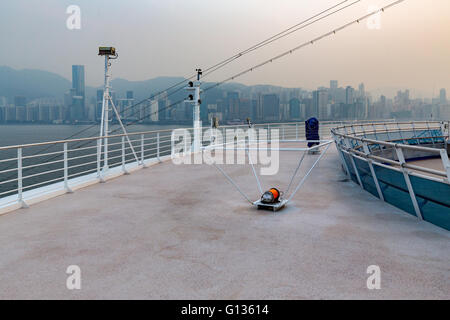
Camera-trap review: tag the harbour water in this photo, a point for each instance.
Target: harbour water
(24, 134)
(28, 134)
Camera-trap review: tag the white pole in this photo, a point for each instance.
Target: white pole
(196, 144)
(105, 113)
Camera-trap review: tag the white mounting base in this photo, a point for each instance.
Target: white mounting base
(270, 206)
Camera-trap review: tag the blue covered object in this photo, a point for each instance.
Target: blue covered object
(312, 131)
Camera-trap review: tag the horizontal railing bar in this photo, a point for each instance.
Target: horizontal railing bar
(397, 163)
(142, 132)
(42, 173)
(81, 149)
(8, 160)
(360, 133)
(42, 155)
(8, 170)
(82, 164)
(396, 145)
(43, 182)
(83, 156)
(81, 173)
(10, 191)
(42, 164)
(8, 181)
(407, 139)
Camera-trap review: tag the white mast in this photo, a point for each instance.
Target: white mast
(110, 54)
(195, 99)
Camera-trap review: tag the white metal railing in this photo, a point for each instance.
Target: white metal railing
(37, 168)
(422, 139)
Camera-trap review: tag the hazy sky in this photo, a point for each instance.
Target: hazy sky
(173, 37)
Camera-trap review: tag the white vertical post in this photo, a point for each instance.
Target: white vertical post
(157, 146)
(341, 155)
(387, 132)
(66, 170)
(99, 159)
(350, 147)
(401, 158)
(20, 179)
(372, 170)
(142, 151)
(446, 163)
(124, 170)
(185, 142)
(296, 131)
(344, 163)
(356, 171)
(196, 144)
(429, 131)
(106, 114)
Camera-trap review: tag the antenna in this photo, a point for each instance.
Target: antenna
(196, 101)
(110, 54)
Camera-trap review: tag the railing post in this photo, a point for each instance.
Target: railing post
(296, 131)
(20, 179)
(401, 158)
(66, 170)
(400, 133)
(429, 132)
(352, 160)
(105, 155)
(341, 155)
(375, 131)
(446, 163)
(124, 170)
(387, 132)
(99, 160)
(142, 151)
(372, 170)
(157, 146)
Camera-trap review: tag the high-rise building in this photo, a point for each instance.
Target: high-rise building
(294, 108)
(233, 105)
(349, 95)
(361, 91)
(271, 107)
(79, 90)
(3, 101)
(443, 96)
(319, 104)
(245, 108)
(20, 101)
(77, 108)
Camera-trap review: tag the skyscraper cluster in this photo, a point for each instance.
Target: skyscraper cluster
(260, 103)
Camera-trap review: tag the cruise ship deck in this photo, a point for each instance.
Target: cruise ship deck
(183, 232)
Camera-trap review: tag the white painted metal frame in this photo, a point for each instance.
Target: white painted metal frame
(70, 171)
(345, 143)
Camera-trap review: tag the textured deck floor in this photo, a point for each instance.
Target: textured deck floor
(183, 232)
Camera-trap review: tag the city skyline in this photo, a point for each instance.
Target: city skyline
(261, 104)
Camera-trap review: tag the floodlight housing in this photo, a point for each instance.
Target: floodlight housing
(106, 51)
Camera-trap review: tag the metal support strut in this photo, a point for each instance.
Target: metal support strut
(110, 54)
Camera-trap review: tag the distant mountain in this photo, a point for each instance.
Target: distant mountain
(145, 88)
(37, 83)
(32, 83)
